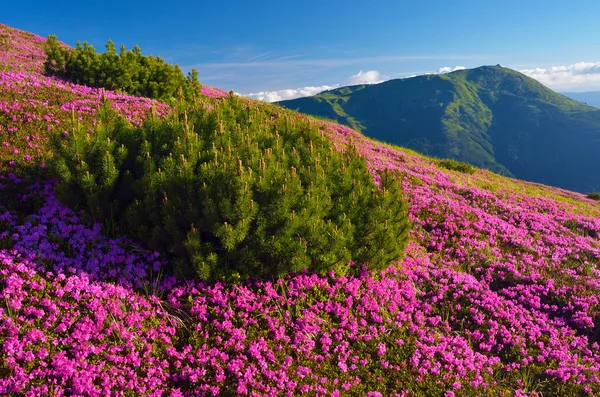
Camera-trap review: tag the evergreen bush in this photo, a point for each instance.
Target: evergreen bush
(243, 190)
(456, 165)
(128, 71)
(594, 196)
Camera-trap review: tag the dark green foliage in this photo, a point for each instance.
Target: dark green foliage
(241, 190)
(456, 165)
(56, 57)
(594, 196)
(127, 71)
(491, 117)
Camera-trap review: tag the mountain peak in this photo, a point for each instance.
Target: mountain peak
(490, 116)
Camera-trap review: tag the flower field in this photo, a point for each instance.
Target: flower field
(498, 293)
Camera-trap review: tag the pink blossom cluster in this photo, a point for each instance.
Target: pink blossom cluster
(213, 92)
(21, 50)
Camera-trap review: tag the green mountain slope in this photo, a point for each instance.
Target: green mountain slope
(490, 116)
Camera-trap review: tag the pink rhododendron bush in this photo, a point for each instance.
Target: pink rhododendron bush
(497, 295)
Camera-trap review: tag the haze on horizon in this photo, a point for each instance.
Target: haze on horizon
(277, 50)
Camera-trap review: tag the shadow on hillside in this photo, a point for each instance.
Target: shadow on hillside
(37, 227)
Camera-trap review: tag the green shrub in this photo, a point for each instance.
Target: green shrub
(456, 165)
(594, 196)
(236, 191)
(128, 71)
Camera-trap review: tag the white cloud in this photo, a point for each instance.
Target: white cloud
(578, 76)
(290, 93)
(442, 70)
(369, 77)
(447, 69)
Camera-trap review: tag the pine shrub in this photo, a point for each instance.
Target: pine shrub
(594, 196)
(243, 190)
(55, 57)
(455, 165)
(128, 71)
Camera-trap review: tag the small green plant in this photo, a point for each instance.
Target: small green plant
(456, 165)
(3, 39)
(594, 196)
(239, 191)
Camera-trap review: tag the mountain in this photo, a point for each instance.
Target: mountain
(491, 117)
(591, 98)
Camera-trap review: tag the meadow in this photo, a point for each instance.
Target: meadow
(497, 293)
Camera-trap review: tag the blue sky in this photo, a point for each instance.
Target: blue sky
(271, 46)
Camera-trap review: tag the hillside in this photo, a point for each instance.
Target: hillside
(497, 294)
(491, 116)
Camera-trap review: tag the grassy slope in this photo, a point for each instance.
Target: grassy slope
(498, 294)
(490, 116)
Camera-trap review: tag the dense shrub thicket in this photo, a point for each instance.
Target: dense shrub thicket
(594, 196)
(239, 190)
(128, 71)
(456, 165)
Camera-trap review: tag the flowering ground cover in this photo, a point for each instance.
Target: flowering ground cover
(498, 294)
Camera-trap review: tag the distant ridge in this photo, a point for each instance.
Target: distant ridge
(591, 98)
(490, 116)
